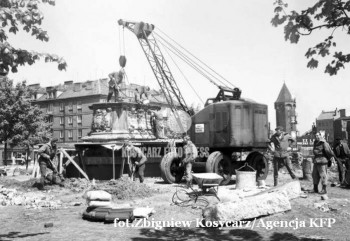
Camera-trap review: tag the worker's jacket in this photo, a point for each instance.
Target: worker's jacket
(341, 150)
(46, 152)
(116, 79)
(322, 151)
(191, 152)
(136, 155)
(281, 144)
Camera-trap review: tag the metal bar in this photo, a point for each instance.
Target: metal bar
(113, 160)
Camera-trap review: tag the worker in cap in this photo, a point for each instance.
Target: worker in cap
(280, 146)
(190, 154)
(116, 79)
(47, 153)
(136, 161)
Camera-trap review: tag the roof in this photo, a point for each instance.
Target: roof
(327, 115)
(284, 95)
(97, 87)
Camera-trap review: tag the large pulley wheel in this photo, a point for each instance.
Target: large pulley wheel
(220, 164)
(171, 170)
(260, 163)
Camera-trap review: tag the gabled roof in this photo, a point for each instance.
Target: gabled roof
(284, 95)
(327, 115)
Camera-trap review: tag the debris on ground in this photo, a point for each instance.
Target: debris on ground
(77, 184)
(12, 197)
(124, 188)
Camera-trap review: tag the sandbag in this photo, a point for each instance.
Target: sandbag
(99, 204)
(143, 212)
(98, 195)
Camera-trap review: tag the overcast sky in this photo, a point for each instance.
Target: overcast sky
(235, 38)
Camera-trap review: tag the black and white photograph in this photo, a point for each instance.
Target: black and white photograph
(180, 120)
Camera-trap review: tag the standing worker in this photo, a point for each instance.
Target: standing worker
(342, 154)
(323, 156)
(115, 81)
(191, 153)
(47, 153)
(157, 124)
(280, 146)
(137, 161)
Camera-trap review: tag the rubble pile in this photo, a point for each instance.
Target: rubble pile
(124, 188)
(12, 197)
(77, 184)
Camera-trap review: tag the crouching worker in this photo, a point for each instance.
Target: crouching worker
(47, 153)
(136, 160)
(323, 157)
(191, 154)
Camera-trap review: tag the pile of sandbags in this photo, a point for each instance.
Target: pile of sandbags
(98, 198)
(100, 208)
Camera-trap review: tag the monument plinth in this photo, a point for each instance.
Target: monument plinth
(121, 120)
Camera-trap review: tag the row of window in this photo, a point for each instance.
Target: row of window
(62, 105)
(70, 120)
(70, 134)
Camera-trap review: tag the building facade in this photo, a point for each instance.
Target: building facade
(325, 124)
(68, 105)
(286, 116)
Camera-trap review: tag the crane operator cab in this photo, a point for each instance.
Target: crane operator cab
(225, 94)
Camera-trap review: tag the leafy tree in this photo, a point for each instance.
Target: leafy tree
(324, 14)
(21, 123)
(25, 14)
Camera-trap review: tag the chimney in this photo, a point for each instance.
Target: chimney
(342, 112)
(68, 83)
(77, 87)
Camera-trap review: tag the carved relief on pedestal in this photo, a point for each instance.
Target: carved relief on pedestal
(102, 121)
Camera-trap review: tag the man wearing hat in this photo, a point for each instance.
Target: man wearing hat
(191, 153)
(115, 81)
(47, 153)
(136, 160)
(342, 154)
(280, 145)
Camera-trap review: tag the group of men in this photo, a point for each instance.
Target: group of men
(116, 79)
(324, 156)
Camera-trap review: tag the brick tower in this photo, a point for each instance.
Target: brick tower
(285, 111)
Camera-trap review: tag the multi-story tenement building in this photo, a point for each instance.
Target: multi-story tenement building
(68, 105)
(324, 123)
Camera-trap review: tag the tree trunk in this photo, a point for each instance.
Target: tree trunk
(5, 154)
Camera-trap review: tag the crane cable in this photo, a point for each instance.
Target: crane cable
(193, 64)
(197, 58)
(185, 59)
(122, 42)
(184, 75)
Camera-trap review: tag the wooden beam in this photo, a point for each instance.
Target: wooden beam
(74, 163)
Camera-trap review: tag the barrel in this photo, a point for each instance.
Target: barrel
(307, 169)
(245, 177)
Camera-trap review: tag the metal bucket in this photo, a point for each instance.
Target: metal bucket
(245, 179)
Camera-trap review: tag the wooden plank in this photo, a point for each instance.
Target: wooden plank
(81, 160)
(75, 164)
(61, 162)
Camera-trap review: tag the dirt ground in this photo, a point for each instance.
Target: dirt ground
(19, 223)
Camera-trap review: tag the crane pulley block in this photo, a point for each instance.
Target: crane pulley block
(141, 28)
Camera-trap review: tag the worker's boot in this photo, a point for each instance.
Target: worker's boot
(315, 190)
(324, 189)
